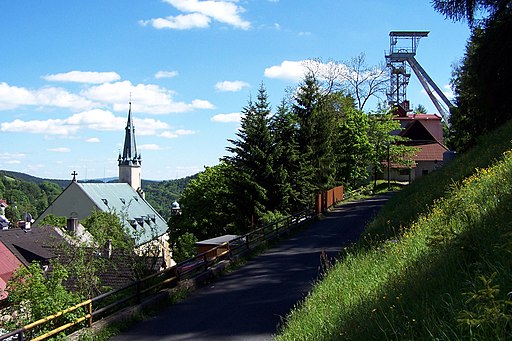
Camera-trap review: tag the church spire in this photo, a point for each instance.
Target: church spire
(129, 156)
(129, 161)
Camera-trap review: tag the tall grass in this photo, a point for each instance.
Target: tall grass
(441, 270)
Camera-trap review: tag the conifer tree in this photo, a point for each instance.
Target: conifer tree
(251, 161)
(315, 135)
(285, 195)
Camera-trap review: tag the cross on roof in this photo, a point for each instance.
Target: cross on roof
(74, 175)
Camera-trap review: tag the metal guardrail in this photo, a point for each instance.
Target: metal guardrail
(111, 302)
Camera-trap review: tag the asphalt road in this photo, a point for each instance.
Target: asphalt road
(251, 302)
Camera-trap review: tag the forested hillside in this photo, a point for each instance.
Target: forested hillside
(27, 193)
(161, 194)
(23, 196)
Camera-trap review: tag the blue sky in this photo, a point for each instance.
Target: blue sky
(67, 69)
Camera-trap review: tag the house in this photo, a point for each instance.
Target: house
(425, 132)
(126, 199)
(31, 245)
(21, 247)
(8, 265)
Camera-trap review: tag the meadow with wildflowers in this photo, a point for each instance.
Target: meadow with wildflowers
(434, 264)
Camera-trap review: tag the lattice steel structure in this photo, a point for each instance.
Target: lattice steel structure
(401, 56)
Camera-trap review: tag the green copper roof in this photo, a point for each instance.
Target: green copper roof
(140, 219)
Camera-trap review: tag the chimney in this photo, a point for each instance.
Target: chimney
(72, 224)
(108, 249)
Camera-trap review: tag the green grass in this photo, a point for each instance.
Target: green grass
(435, 263)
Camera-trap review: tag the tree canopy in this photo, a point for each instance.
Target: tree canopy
(482, 80)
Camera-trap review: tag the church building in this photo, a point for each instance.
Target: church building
(125, 198)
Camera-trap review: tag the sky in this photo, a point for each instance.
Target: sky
(68, 69)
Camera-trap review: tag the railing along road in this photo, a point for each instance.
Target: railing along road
(111, 302)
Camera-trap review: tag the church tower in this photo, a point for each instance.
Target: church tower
(129, 161)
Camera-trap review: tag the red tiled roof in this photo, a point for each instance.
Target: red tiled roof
(430, 151)
(8, 264)
(418, 117)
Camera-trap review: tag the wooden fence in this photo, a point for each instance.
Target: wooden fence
(327, 199)
(99, 307)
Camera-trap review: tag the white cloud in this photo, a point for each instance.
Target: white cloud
(13, 162)
(84, 77)
(200, 14)
(288, 70)
(96, 119)
(149, 126)
(149, 147)
(227, 118)
(12, 97)
(11, 158)
(185, 132)
(232, 86)
(59, 150)
(179, 22)
(146, 98)
(175, 134)
(166, 74)
(50, 127)
(202, 104)
(93, 140)
(295, 70)
(7, 156)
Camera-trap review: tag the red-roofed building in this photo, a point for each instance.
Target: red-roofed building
(425, 132)
(8, 264)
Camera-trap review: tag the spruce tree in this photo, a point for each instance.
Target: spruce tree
(251, 161)
(285, 195)
(315, 136)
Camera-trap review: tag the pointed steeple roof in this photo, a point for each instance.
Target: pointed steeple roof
(129, 156)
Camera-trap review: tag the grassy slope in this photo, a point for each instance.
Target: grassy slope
(433, 265)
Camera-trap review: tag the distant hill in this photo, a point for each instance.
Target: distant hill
(34, 179)
(160, 194)
(64, 183)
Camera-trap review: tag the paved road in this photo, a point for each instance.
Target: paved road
(249, 303)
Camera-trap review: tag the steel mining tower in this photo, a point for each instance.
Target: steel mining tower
(402, 50)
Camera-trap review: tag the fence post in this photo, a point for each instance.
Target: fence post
(138, 291)
(90, 314)
(205, 260)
